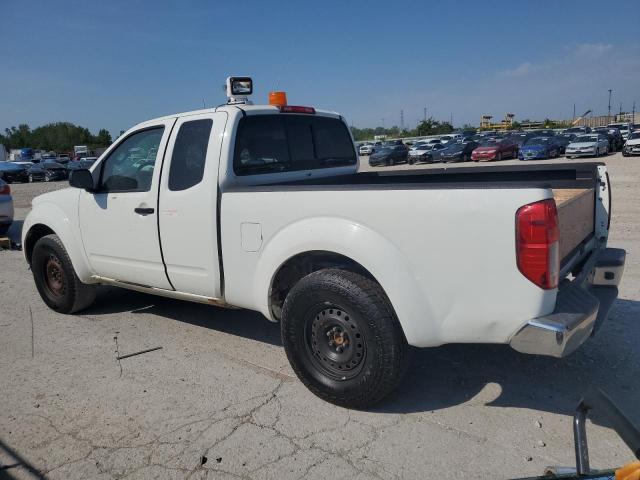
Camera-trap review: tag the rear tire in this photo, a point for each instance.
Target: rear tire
(55, 278)
(343, 339)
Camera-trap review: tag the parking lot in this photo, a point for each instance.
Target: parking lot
(219, 400)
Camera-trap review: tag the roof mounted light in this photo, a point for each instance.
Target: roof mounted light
(278, 99)
(296, 109)
(238, 89)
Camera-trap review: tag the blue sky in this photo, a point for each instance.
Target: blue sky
(114, 63)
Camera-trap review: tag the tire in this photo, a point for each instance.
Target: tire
(499, 156)
(345, 308)
(55, 278)
(47, 178)
(30, 178)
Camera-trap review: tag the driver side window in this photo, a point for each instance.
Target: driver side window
(129, 168)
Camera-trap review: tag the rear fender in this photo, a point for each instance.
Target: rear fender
(370, 249)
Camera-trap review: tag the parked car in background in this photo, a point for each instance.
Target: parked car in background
(632, 145)
(422, 143)
(452, 137)
(428, 153)
(79, 164)
(47, 171)
(520, 137)
(458, 151)
(625, 128)
(539, 148)
(578, 130)
(495, 149)
(389, 155)
(562, 141)
(13, 172)
(592, 145)
(365, 149)
(6, 207)
(610, 133)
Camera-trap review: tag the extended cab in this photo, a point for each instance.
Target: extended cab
(261, 207)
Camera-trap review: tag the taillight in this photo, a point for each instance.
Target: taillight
(538, 243)
(6, 190)
(296, 109)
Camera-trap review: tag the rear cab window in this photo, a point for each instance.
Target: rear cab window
(290, 142)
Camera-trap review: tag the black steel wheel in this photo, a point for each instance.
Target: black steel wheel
(55, 278)
(343, 339)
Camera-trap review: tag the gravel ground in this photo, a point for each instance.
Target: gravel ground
(220, 401)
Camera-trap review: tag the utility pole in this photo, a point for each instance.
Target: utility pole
(574, 111)
(451, 119)
(382, 122)
(633, 112)
(425, 114)
(609, 104)
(402, 120)
(620, 108)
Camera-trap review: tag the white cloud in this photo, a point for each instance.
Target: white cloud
(592, 49)
(520, 71)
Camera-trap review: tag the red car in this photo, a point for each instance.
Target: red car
(495, 149)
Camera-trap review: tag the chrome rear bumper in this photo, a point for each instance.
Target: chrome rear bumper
(581, 308)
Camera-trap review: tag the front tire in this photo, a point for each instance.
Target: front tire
(55, 278)
(343, 339)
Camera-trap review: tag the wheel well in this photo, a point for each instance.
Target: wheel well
(302, 265)
(35, 233)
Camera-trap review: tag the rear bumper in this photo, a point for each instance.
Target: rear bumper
(581, 308)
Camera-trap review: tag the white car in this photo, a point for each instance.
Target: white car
(632, 145)
(236, 211)
(366, 149)
(6, 207)
(427, 153)
(453, 137)
(590, 145)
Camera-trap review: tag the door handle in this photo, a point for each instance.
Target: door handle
(144, 210)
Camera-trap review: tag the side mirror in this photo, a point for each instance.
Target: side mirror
(81, 178)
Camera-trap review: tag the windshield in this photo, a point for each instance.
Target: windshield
(278, 143)
(538, 141)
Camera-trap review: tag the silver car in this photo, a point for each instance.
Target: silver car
(6, 207)
(591, 145)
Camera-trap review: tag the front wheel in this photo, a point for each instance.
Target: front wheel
(343, 339)
(30, 178)
(55, 278)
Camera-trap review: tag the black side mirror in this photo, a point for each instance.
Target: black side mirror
(82, 178)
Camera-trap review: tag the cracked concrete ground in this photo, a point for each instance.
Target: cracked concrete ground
(220, 401)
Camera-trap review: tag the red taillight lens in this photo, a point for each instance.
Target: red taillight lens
(296, 109)
(537, 243)
(6, 190)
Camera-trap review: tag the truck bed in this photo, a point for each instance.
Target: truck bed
(572, 183)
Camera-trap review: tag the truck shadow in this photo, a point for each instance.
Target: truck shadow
(455, 374)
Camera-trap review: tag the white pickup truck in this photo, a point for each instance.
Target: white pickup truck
(261, 207)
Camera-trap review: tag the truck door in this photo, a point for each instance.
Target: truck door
(189, 203)
(118, 222)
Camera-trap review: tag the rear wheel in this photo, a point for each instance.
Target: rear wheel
(499, 156)
(343, 339)
(55, 278)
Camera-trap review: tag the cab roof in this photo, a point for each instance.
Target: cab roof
(236, 108)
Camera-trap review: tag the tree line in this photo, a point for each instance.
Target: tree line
(430, 126)
(58, 137)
